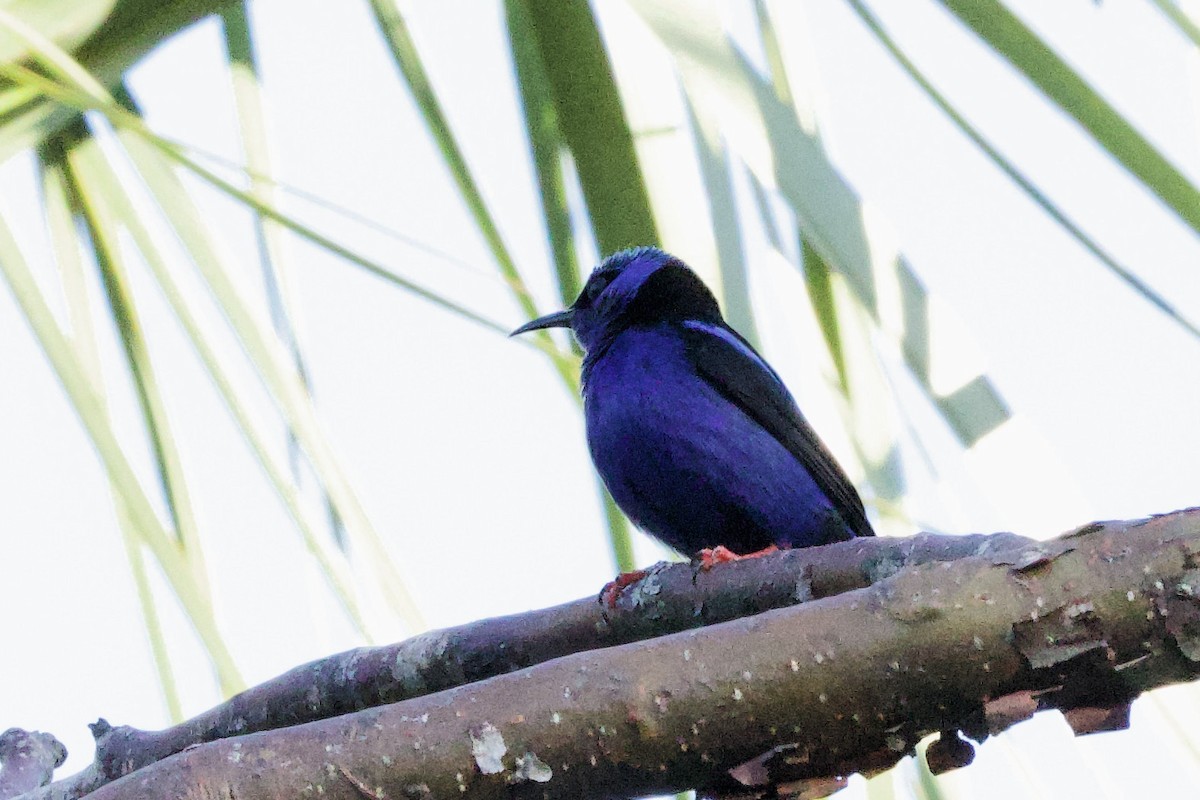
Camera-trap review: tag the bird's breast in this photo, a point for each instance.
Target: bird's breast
(642, 382)
(684, 462)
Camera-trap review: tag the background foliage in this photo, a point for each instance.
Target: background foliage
(260, 403)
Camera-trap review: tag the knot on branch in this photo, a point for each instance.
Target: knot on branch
(27, 760)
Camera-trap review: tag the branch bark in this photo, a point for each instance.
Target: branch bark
(673, 597)
(27, 760)
(813, 692)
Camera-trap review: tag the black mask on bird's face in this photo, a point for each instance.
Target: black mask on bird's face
(637, 286)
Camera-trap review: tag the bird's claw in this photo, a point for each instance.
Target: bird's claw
(612, 590)
(709, 557)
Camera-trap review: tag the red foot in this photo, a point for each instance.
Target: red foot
(711, 556)
(612, 590)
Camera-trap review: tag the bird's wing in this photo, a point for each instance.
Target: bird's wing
(731, 366)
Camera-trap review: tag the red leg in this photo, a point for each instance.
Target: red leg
(612, 590)
(711, 556)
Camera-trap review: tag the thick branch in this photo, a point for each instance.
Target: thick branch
(848, 683)
(674, 597)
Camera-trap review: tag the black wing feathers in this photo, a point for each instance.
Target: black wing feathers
(753, 387)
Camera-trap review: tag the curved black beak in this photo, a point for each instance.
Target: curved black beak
(559, 319)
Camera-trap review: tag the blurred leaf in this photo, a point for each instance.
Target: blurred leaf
(105, 36)
(1016, 176)
(768, 136)
(273, 261)
(1012, 39)
(1186, 24)
(88, 402)
(80, 91)
(83, 97)
(395, 32)
(150, 617)
(149, 154)
(714, 158)
(589, 114)
(243, 69)
(13, 99)
(408, 60)
(95, 172)
(274, 366)
(135, 27)
(820, 294)
(68, 23)
(546, 144)
(60, 205)
(102, 231)
(540, 90)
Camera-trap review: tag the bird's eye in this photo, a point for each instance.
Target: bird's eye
(596, 286)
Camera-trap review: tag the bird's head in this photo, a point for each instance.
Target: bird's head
(640, 286)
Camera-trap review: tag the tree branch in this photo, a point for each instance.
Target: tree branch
(843, 684)
(673, 597)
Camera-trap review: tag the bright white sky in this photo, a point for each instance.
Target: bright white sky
(467, 452)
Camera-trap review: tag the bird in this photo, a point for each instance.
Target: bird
(693, 433)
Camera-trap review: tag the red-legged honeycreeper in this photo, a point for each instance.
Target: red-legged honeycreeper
(693, 433)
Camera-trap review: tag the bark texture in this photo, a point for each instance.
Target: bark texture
(807, 693)
(672, 598)
(27, 760)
